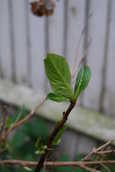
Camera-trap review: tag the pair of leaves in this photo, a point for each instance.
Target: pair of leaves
(58, 73)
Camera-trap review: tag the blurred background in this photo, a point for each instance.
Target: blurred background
(25, 39)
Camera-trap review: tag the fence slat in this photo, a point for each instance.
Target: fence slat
(37, 36)
(56, 29)
(109, 98)
(21, 58)
(97, 29)
(5, 49)
(76, 19)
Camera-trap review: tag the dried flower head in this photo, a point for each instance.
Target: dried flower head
(43, 7)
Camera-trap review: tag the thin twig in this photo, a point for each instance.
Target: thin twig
(27, 117)
(104, 145)
(82, 60)
(96, 150)
(73, 71)
(57, 164)
(88, 156)
(105, 152)
(75, 60)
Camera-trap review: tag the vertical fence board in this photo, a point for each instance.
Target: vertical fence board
(37, 36)
(97, 29)
(76, 19)
(56, 29)
(20, 40)
(109, 98)
(5, 48)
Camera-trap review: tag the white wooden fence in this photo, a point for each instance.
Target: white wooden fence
(25, 39)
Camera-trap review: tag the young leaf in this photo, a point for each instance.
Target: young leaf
(82, 80)
(58, 73)
(57, 98)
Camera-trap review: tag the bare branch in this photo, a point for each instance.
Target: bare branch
(96, 150)
(57, 164)
(105, 152)
(27, 117)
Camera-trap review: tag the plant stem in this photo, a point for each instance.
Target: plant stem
(96, 150)
(57, 164)
(53, 135)
(26, 118)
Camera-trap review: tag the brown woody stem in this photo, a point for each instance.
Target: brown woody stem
(53, 135)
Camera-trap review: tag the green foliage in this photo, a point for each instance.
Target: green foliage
(58, 73)
(82, 80)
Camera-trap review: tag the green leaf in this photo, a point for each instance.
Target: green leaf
(58, 73)
(57, 98)
(82, 80)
